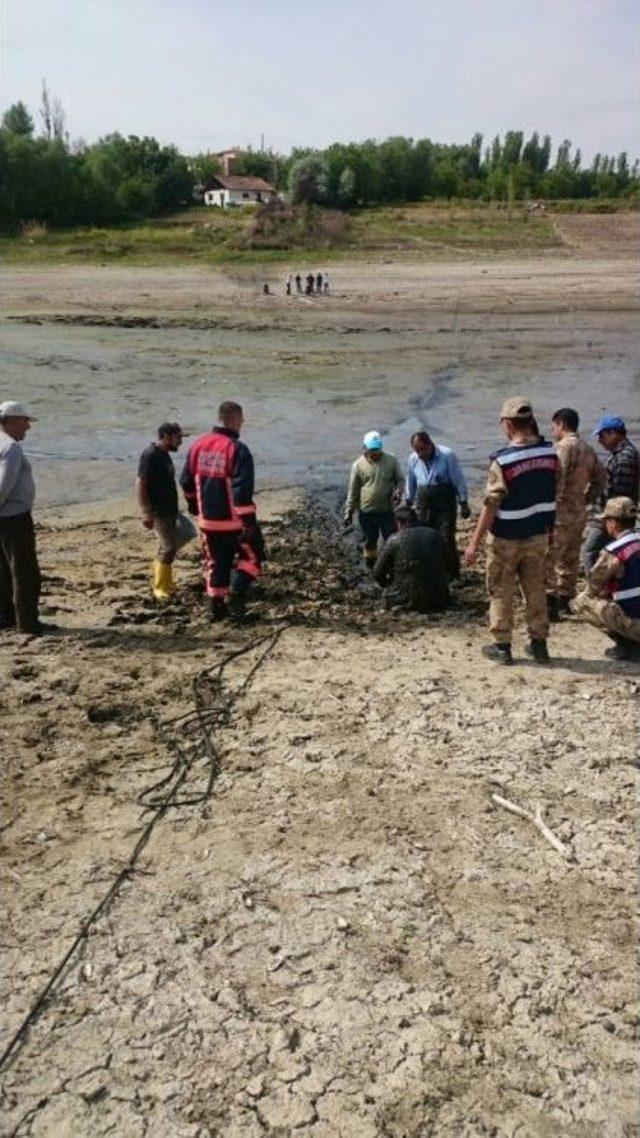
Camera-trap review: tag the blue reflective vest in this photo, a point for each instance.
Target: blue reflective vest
(529, 508)
(626, 590)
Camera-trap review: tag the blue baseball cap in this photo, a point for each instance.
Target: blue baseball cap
(373, 441)
(610, 423)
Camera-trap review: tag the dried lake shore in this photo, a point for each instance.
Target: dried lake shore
(333, 930)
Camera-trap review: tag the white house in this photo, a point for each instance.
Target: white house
(237, 189)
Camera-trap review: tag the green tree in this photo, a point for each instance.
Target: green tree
(17, 120)
(347, 188)
(308, 180)
(512, 147)
(257, 164)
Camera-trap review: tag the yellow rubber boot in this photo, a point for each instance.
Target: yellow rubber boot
(162, 581)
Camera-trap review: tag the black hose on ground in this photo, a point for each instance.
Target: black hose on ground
(208, 685)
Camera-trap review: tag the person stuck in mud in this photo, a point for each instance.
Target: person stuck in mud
(157, 497)
(218, 483)
(611, 600)
(375, 486)
(411, 566)
(435, 483)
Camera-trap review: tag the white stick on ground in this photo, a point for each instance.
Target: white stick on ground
(537, 822)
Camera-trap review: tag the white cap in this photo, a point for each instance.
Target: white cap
(9, 410)
(373, 441)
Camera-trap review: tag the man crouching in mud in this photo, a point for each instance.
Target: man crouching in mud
(411, 566)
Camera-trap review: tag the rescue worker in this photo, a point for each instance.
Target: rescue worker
(411, 565)
(519, 513)
(611, 600)
(374, 487)
(581, 480)
(623, 479)
(218, 483)
(435, 483)
(157, 497)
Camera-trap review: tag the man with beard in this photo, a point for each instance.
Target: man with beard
(158, 500)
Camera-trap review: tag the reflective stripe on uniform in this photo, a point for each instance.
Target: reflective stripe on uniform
(626, 594)
(620, 542)
(528, 512)
(209, 526)
(523, 455)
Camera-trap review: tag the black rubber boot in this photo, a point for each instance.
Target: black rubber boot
(553, 607)
(237, 609)
(623, 649)
(217, 609)
(538, 650)
(499, 653)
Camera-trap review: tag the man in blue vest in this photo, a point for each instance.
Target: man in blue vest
(519, 516)
(611, 599)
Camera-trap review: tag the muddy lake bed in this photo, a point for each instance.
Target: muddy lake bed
(309, 394)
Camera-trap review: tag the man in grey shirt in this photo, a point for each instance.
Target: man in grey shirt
(19, 570)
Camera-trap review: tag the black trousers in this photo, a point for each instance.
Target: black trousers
(437, 507)
(375, 524)
(19, 574)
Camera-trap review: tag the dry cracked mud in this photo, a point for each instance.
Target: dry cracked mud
(347, 938)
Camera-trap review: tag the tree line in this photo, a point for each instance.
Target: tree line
(46, 177)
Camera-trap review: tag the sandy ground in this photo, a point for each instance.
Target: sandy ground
(346, 938)
(594, 269)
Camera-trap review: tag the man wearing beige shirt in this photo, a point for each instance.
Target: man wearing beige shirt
(581, 481)
(19, 570)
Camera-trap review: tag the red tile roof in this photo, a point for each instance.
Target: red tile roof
(239, 182)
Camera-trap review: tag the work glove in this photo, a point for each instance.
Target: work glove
(465, 511)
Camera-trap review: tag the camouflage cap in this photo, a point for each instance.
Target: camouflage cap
(516, 408)
(619, 508)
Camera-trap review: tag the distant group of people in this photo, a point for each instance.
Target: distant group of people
(536, 503)
(312, 282)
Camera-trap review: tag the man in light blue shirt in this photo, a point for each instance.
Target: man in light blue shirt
(434, 486)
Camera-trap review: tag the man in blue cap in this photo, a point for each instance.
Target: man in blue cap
(375, 485)
(623, 479)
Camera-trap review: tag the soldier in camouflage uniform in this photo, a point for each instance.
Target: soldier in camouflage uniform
(581, 481)
(611, 599)
(518, 514)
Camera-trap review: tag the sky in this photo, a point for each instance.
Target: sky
(208, 74)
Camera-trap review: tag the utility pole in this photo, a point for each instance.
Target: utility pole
(262, 143)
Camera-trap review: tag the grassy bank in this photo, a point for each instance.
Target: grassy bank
(212, 237)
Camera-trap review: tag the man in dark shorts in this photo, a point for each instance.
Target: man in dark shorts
(375, 484)
(411, 566)
(157, 497)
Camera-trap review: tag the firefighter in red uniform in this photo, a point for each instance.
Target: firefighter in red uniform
(218, 483)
